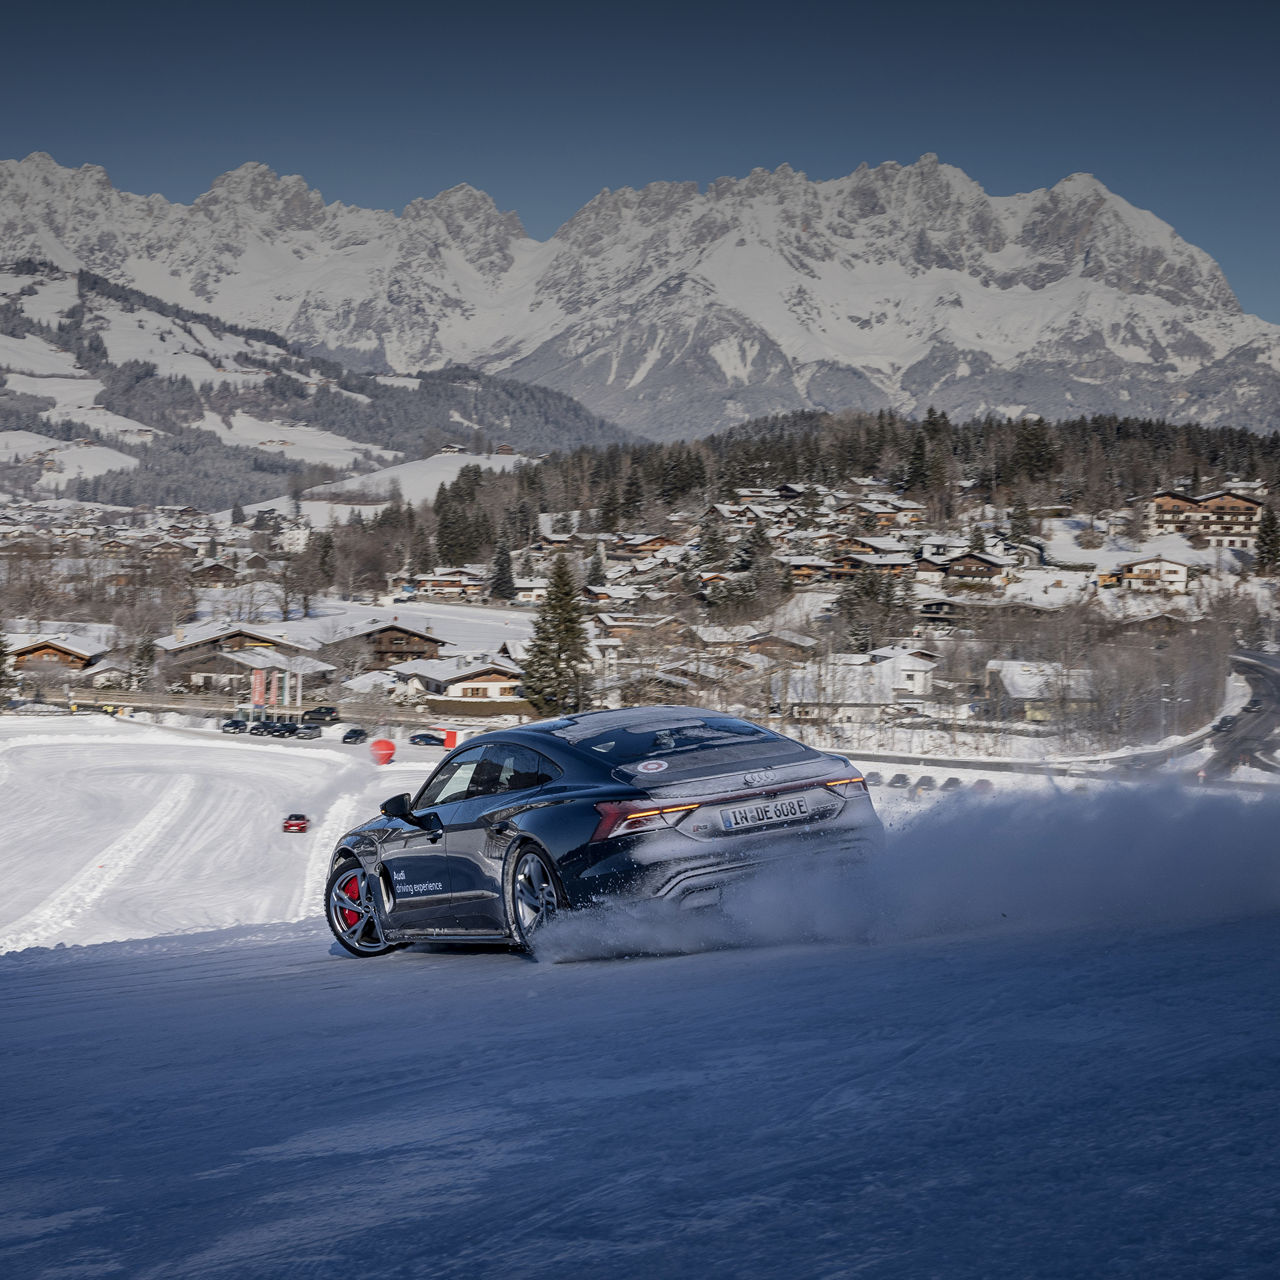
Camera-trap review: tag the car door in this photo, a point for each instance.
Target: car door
(414, 854)
(504, 780)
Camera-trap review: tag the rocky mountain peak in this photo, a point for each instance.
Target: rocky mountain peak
(288, 201)
(676, 308)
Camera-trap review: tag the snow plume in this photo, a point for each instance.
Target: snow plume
(1129, 858)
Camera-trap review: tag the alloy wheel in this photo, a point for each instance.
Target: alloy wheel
(535, 892)
(351, 913)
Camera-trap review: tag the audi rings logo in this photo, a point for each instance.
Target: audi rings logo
(759, 778)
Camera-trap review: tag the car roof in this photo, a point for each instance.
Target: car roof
(560, 732)
(559, 738)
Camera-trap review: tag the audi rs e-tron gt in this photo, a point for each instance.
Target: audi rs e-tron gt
(659, 802)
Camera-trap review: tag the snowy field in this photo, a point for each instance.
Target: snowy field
(71, 460)
(73, 401)
(418, 481)
(1039, 1037)
(298, 440)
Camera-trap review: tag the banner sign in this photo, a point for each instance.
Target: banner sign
(275, 689)
(258, 689)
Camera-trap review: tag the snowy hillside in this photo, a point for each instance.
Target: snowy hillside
(674, 310)
(1036, 1039)
(103, 369)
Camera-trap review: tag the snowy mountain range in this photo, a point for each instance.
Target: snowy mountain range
(676, 310)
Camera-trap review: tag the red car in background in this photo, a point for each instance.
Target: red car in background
(295, 822)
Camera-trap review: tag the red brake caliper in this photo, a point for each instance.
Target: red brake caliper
(352, 891)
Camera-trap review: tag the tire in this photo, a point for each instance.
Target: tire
(531, 892)
(350, 912)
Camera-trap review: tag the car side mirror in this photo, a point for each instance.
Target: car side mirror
(397, 807)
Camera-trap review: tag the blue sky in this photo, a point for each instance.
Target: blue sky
(1174, 106)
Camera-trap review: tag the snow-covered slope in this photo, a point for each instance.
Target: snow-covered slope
(1035, 1040)
(675, 310)
(134, 369)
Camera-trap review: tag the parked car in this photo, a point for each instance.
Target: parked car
(926, 783)
(320, 715)
(1225, 722)
(1254, 704)
(983, 786)
(899, 780)
(354, 735)
(296, 822)
(284, 729)
(426, 740)
(235, 726)
(669, 803)
(307, 731)
(261, 728)
(872, 779)
(951, 784)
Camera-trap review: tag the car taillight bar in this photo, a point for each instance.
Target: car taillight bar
(630, 817)
(843, 786)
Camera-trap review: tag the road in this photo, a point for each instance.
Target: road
(1246, 741)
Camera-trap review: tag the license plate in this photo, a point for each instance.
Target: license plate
(757, 815)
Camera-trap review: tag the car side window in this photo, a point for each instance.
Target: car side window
(452, 780)
(508, 767)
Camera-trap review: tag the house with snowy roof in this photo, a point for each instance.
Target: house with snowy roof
(384, 642)
(1037, 691)
(471, 677)
(63, 651)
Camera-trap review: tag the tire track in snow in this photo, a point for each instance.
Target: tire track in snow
(76, 898)
(343, 814)
(340, 817)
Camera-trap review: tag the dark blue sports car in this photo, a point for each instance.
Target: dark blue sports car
(516, 824)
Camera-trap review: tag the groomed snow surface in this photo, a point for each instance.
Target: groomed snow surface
(1039, 1037)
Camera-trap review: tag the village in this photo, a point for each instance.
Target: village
(959, 644)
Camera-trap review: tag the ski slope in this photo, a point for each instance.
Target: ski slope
(140, 832)
(1037, 1038)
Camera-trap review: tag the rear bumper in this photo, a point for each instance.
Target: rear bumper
(692, 872)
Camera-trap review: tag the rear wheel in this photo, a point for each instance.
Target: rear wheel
(350, 912)
(532, 894)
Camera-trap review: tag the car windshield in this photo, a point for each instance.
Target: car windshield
(297, 817)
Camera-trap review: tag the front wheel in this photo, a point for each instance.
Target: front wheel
(350, 912)
(532, 895)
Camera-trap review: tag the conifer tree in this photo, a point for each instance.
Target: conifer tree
(1266, 549)
(1019, 520)
(751, 548)
(632, 497)
(977, 540)
(916, 475)
(596, 569)
(502, 583)
(712, 548)
(607, 515)
(554, 679)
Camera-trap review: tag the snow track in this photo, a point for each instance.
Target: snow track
(137, 831)
(343, 814)
(64, 910)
